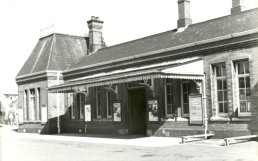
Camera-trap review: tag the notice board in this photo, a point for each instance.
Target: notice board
(195, 109)
(87, 110)
(153, 110)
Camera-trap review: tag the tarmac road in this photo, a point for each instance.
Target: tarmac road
(34, 147)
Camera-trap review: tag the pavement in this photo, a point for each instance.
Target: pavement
(132, 140)
(74, 147)
(135, 140)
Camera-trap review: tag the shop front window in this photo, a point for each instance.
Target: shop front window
(98, 102)
(70, 105)
(169, 97)
(185, 91)
(109, 105)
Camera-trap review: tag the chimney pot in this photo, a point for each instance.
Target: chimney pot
(95, 34)
(184, 18)
(238, 6)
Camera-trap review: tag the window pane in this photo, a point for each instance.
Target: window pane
(184, 87)
(226, 107)
(220, 96)
(247, 67)
(218, 71)
(247, 79)
(224, 84)
(241, 81)
(186, 108)
(221, 108)
(242, 94)
(219, 84)
(168, 89)
(241, 68)
(243, 106)
(109, 111)
(169, 109)
(169, 100)
(185, 98)
(248, 94)
(223, 70)
(248, 106)
(225, 95)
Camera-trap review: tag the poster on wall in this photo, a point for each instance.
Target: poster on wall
(87, 110)
(153, 110)
(117, 111)
(20, 115)
(195, 109)
(43, 114)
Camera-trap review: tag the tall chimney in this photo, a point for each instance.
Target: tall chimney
(184, 18)
(95, 34)
(237, 6)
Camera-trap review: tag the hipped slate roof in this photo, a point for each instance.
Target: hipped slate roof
(54, 52)
(219, 27)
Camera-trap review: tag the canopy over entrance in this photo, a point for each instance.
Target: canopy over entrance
(190, 68)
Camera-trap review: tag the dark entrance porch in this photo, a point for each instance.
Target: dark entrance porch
(137, 111)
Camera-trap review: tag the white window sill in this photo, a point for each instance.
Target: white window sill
(174, 119)
(217, 118)
(244, 114)
(241, 119)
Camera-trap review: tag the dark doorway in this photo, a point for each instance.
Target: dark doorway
(137, 111)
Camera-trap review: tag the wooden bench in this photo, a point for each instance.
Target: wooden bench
(228, 140)
(186, 138)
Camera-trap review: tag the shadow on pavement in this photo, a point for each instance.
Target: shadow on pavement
(103, 136)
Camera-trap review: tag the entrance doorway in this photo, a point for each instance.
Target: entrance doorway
(137, 111)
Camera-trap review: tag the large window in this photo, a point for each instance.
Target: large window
(169, 97)
(81, 103)
(38, 104)
(109, 104)
(70, 105)
(98, 102)
(32, 106)
(26, 105)
(221, 88)
(243, 78)
(185, 91)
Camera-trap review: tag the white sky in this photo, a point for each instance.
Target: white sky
(124, 20)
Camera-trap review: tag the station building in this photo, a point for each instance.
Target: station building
(193, 79)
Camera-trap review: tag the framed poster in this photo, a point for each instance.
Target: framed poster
(43, 114)
(153, 110)
(195, 109)
(87, 113)
(117, 111)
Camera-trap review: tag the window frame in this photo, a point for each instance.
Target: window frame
(237, 76)
(108, 104)
(98, 104)
(222, 77)
(172, 97)
(182, 98)
(71, 104)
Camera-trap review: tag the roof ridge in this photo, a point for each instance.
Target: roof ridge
(51, 49)
(175, 29)
(222, 17)
(64, 34)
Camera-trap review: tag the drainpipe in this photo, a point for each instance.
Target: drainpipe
(58, 105)
(204, 106)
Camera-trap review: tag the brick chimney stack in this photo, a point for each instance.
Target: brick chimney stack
(237, 6)
(95, 34)
(184, 18)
